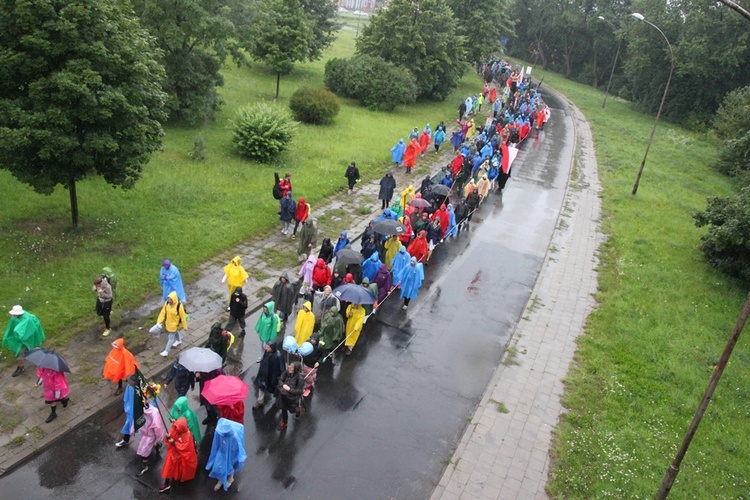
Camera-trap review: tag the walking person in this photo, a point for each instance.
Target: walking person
(287, 210)
(326, 251)
(308, 237)
(218, 341)
(267, 327)
(387, 187)
(410, 280)
(103, 301)
(305, 323)
(397, 152)
(171, 280)
(438, 139)
(355, 315)
(234, 275)
(237, 309)
(285, 184)
(270, 369)
(331, 329)
(283, 296)
(181, 462)
(119, 364)
(172, 316)
(152, 435)
(55, 387)
(184, 379)
(321, 275)
(227, 453)
(181, 409)
(352, 176)
(24, 332)
(301, 213)
(127, 402)
(290, 388)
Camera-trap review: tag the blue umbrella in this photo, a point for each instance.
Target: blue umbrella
(354, 294)
(47, 358)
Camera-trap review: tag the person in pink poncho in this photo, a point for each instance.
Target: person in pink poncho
(152, 434)
(55, 389)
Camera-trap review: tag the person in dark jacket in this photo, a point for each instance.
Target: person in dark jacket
(369, 246)
(212, 413)
(270, 369)
(283, 296)
(352, 176)
(387, 186)
(472, 201)
(287, 209)
(290, 388)
(426, 184)
(313, 359)
(237, 308)
(184, 379)
(326, 251)
(218, 341)
(462, 211)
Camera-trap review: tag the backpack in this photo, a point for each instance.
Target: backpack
(276, 187)
(109, 275)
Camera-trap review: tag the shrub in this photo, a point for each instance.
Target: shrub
(732, 124)
(262, 131)
(317, 106)
(199, 149)
(726, 246)
(377, 84)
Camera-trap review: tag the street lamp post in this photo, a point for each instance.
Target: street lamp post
(614, 63)
(663, 98)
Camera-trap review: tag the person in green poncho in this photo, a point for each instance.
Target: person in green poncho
(331, 329)
(267, 327)
(182, 409)
(24, 332)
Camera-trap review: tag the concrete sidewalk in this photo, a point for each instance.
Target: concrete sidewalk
(504, 452)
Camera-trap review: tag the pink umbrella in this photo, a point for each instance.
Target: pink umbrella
(225, 390)
(419, 203)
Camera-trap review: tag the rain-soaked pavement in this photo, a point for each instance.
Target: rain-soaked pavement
(383, 422)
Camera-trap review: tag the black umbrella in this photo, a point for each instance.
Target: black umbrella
(441, 190)
(47, 358)
(348, 256)
(389, 227)
(355, 294)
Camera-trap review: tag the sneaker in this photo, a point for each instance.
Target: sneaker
(230, 480)
(143, 471)
(281, 426)
(218, 486)
(19, 370)
(259, 359)
(294, 237)
(164, 354)
(405, 308)
(164, 488)
(105, 333)
(121, 443)
(177, 343)
(348, 351)
(242, 334)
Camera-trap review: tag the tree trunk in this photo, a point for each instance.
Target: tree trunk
(73, 202)
(278, 79)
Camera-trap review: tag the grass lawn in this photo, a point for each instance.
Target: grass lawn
(186, 211)
(662, 322)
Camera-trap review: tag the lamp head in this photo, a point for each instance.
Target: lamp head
(601, 18)
(638, 16)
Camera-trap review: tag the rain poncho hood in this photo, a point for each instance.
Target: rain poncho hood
(227, 450)
(182, 409)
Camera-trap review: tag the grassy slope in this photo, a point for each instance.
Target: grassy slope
(182, 210)
(661, 325)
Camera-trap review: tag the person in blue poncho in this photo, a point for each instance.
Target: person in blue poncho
(438, 139)
(397, 152)
(457, 138)
(451, 232)
(400, 261)
(387, 214)
(371, 266)
(127, 403)
(341, 242)
(171, 281)
(227, 453)
(410, 279)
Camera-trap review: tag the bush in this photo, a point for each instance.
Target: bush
(317, 106)
(199, 149)
(732, 124)
(377, 84)
(262, 131)
(726, 246)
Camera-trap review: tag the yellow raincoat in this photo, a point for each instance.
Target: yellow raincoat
(407, 195)
(234, 274)
(392, 245)
(173, 315)
(303, 327)
(356, 318)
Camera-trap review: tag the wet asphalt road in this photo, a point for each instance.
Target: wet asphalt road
(383, 422)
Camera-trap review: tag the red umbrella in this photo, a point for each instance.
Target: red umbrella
(225, 390)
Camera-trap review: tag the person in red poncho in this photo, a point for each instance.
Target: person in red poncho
(235, 412)
(301, 213)
(444, 217)
(424, 141)
(321, 275)
(493, 95)
(418, 247)
(410, 155)
(457, 163)
(119, 365)
(181, 462)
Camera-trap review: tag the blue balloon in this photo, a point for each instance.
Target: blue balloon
(289, 344)
(306, 349)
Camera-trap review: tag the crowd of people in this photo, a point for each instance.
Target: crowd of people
(490, 126)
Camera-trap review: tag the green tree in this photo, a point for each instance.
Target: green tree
(482, 24)
(320, 14)
(284, 36)
(80, 94)
(195, 38)
(732, 125)
(423, 38)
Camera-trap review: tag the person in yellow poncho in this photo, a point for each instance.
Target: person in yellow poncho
(392, 244)
(172, 315)
(234, 275)
(407, 195)
(303, 327)
(471, 130)
(355, 314)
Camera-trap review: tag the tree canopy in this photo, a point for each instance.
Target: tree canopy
(482, 24)
(422, 37)
(80, 94)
